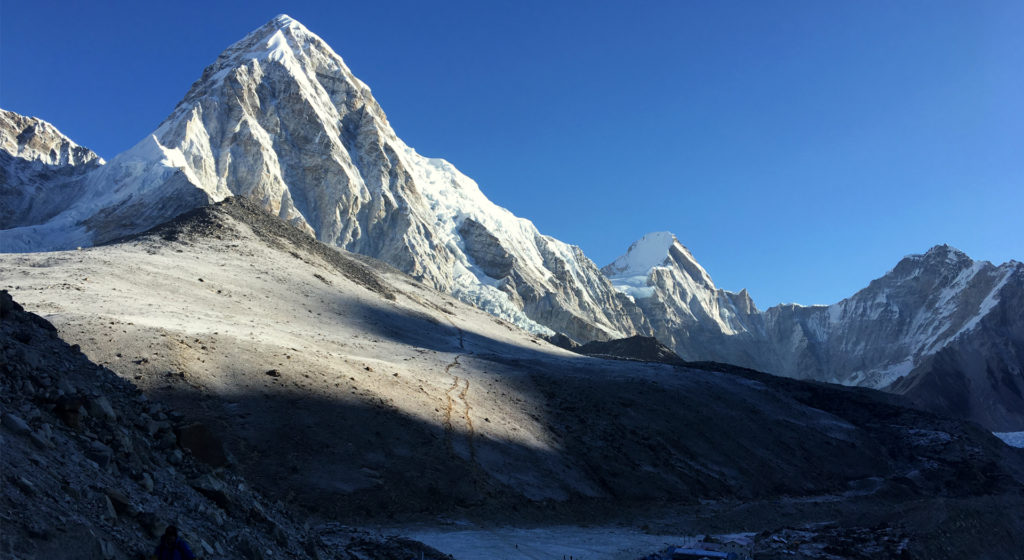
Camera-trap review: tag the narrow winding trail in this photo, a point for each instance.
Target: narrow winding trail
(456, 404)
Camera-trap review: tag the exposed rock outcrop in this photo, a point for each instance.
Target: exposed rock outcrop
(40, 170)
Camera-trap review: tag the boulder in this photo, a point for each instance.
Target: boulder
(121, 503)
(214, 489)
(99, 454)
(101, 408)
(16, 424)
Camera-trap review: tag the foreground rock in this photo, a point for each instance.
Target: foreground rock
(92, 469)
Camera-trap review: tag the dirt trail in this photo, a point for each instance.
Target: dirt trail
(456, 399)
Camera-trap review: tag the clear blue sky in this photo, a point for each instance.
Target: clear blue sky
(799, 149)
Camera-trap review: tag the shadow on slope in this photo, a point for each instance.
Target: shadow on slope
(94, 469)
(671, 436)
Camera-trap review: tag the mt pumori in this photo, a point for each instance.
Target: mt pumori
(279, 118)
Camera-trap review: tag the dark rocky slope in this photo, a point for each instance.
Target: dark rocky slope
(640, 348)
(93, 469)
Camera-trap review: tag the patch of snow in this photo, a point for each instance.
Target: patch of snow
(635, 286)
(1013, 439)
(987, 304)
(643, 255)
(887, 375)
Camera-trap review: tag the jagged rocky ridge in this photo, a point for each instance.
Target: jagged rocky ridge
(280, 118)
(939, 327)
(40, 170)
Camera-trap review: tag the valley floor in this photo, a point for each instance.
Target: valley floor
(542, 543)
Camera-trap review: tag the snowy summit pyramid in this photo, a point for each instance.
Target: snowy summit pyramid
(685, 309)
(280, 118)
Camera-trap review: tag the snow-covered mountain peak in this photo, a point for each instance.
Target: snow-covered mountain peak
(285, 20)
(33, 139)
(942, 256)
(672, 288)
(657, 249)
(279, 118)
(947, 253)
(644, 254)
(40, 170)
(279, 26)
(942, 264)
(285, 42)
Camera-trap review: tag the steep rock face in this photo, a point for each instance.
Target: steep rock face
(34, 139)
(485, 249)
(980, 373)
(884, 331)
(280, 118)
(39, 170)
(685, 309)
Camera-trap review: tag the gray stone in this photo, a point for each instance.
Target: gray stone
(107, 549)
(151, 524)
(63, 384)
(153, 427)
(214, 489)
(122, 504)
(167, 441)
(175, 457)
(101, 408)
(40, 440)
(100, 454)
(250, 549)
(7, 304)
(26, 487)
(15, 424)
(108, 507)
(485, 249)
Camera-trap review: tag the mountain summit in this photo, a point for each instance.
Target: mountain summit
(279, 118)
(684, 307)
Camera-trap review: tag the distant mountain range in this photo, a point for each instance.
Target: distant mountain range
(943, 329)
(279, 118)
